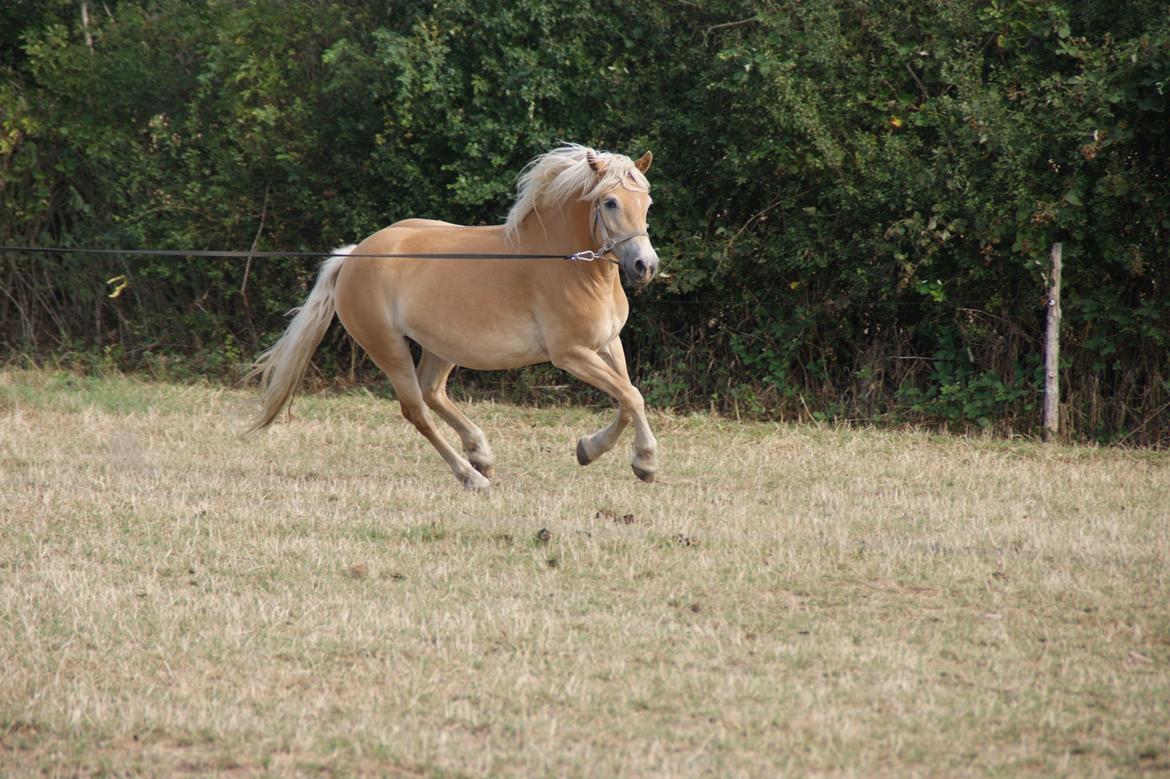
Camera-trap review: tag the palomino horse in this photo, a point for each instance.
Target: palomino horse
(573, 202)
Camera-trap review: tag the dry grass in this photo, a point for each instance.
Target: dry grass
(325, 599)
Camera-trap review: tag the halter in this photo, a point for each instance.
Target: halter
(608, 243)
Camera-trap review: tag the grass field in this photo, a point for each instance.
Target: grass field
(324, 598)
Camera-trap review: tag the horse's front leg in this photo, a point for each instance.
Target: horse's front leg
(607, 372)
(590, 447)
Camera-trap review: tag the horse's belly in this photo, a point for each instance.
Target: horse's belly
(497, 346)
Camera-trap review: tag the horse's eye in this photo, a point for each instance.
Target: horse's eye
(611, 204)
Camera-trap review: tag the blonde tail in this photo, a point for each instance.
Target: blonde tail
(282, 366)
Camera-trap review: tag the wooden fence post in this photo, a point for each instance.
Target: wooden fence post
(1052, 351)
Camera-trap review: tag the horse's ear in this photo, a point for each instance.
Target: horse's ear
(643, 163)
(596, 165)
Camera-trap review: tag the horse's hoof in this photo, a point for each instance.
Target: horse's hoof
(582, 456)
(487, 469)
(643, 474)
(475, 481)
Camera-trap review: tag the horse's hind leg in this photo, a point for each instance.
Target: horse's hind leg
(391, 353)
(432, 377)
(590, 447)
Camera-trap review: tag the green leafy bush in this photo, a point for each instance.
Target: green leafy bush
(856, 199)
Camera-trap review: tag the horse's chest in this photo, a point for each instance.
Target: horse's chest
(607, 328)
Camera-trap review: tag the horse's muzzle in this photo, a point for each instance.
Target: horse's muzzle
(641, 270)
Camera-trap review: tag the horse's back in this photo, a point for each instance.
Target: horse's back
(433, 236)
(475, 313)
(419, 223)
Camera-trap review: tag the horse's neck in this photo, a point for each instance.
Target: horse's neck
(566, 231)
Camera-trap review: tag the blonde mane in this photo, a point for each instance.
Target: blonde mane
(563, 174)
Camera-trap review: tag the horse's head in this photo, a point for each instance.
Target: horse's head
(619, 223)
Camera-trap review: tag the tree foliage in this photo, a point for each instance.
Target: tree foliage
(856, 198)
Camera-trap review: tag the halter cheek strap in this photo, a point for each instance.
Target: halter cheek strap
(608, 243)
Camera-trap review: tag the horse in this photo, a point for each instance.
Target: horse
(582, 205)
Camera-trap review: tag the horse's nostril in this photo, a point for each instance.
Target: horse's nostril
(640, 267)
